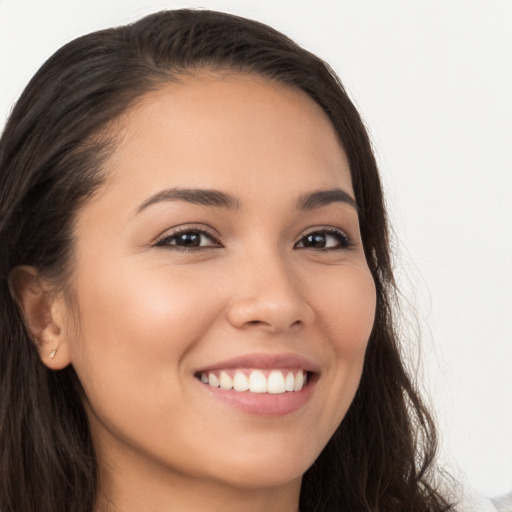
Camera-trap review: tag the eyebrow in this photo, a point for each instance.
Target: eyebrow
(321, 198)
(203, 197)
(216, 198)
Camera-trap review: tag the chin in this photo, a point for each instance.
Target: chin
(245, 476)
(265, 467)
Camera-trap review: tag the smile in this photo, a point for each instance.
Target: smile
(263, 384)
(257, 380)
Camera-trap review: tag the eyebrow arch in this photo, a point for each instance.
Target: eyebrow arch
(324, 197)
(203, 197)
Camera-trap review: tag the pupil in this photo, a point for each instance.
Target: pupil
(316, 240)
(189, 239)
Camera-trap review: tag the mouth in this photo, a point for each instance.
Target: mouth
(263, 384)
(256, 380)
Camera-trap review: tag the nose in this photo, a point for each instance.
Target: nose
(269, 297)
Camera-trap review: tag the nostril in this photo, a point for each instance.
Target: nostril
(269, 314)
(260, 324)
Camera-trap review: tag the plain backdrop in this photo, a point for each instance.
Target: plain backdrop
(433, 81)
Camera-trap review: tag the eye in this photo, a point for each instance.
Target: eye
(188, 239)
(325, 239)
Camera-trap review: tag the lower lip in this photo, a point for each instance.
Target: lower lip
(263, 404)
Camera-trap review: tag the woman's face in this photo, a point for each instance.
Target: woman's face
(223, 250)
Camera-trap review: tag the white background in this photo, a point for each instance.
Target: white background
(433, 81)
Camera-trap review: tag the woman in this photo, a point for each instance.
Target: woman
(196, 284)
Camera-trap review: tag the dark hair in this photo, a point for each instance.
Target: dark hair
(51, 156)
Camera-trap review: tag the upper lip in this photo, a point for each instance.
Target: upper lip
(264, 361)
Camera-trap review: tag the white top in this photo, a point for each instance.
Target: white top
(475, 503)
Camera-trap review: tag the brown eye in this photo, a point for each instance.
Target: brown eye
(190, 239)
(325, 240)
(315, 240)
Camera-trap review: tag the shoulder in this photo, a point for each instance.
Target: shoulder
(473, 502)
(503, 503)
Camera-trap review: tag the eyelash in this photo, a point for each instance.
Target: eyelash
(344, 241)
(164, 240)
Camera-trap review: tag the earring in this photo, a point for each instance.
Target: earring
(52, 353)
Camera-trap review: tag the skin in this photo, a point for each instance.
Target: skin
(145, 317)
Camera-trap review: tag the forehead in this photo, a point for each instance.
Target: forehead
(235, 132)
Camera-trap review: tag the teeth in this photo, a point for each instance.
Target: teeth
(289, 382)
(257, 382)
(299, 381)
(240, 382)
(225, 381)
(276, 382)
(213, 380)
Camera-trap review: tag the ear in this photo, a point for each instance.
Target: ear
(44, 314)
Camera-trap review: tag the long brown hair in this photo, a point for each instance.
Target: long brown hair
(51, 156)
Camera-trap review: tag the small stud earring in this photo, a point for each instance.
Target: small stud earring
(52, 354)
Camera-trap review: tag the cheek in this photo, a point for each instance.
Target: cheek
(147, 304)
(345, 306)
(349, 321)
(354, 326)
(136, 328)
(348, 310)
